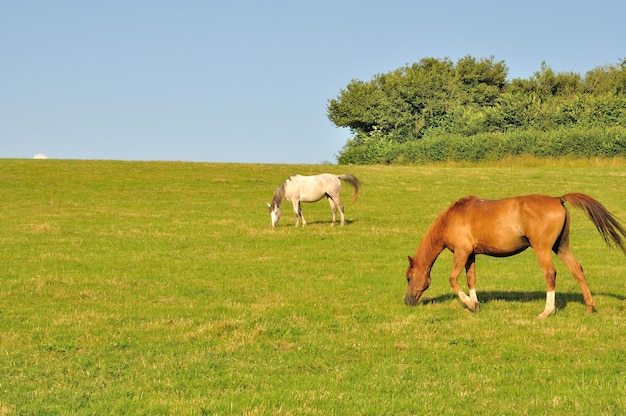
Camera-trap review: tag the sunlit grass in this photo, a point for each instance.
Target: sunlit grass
(160, 288)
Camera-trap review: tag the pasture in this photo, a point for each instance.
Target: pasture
(160, 288)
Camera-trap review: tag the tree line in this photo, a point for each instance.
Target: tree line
(437, 109)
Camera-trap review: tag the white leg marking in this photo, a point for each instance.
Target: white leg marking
(474, 304)
(550, 305)
(550, 298)
(473, 296)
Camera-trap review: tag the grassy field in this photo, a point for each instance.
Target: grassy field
(159, 288)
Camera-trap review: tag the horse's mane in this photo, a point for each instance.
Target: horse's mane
(432, 243)
(441, 220)
(461, 202)
(279, 194)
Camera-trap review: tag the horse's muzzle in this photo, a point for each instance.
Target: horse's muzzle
(411, 300)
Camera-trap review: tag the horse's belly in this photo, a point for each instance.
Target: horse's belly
(311, 197)
(501, 247)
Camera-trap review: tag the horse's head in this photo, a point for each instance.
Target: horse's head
(274, 213)
(417, 283)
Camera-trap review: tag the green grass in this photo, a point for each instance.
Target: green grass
(160, 288)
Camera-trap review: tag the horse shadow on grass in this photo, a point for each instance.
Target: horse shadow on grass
(561, 301)
(324, 222)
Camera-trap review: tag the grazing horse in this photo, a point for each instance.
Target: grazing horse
(503, 228)
(298, 188)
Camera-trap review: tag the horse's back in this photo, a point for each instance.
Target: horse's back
(323, 180)
(506, 225)
(313, 188)
(527, 204)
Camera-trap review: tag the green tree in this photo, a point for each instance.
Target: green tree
(480, 81)
(398, 105)
(412, 113)
(607, 79)
(404, 104)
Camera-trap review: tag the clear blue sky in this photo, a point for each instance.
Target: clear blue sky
(249, 81)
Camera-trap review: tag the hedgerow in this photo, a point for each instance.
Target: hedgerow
(572, 143)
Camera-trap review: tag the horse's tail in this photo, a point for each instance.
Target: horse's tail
(606, 223)
(352, 180)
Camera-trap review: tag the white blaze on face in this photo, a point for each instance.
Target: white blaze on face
(275, 215)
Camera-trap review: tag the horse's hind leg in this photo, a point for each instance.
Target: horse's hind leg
(549, 274)
(572, 264)
(334, 204)
(333, 208)
(340, 206)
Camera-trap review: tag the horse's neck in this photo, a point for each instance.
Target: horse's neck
(277, 201)
(431, 246)
(291, 191)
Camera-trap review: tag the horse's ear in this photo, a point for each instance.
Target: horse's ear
(410, 261)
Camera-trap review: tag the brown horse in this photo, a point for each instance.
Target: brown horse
(503, 228)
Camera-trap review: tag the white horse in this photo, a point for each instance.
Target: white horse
(298, 188)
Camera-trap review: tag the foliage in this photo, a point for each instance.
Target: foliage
(573, 143)
(428, 101)
(159, 288)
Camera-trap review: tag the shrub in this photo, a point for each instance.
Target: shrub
(572, 142)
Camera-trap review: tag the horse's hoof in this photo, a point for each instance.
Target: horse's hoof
(471, 305)
(545, 314)
(474, 308)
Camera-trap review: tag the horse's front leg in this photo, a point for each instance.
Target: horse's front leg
(470, 271)
(461, 260)
(297, 212)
